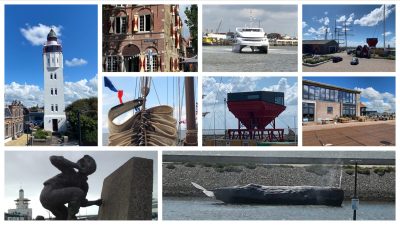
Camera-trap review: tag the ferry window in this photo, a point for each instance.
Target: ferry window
(330, 110)
(144, 22)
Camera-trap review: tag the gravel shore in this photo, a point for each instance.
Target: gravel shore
(177, 181)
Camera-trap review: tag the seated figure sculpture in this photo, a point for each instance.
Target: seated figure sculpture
(69, 187)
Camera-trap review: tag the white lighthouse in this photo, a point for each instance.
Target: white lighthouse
(54, 106)
(22, 209)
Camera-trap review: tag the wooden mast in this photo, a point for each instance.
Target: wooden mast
(191, 129)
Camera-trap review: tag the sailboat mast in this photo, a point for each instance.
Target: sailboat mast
(191, 129)
(384, 28)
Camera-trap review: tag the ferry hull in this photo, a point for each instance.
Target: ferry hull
(280, 195)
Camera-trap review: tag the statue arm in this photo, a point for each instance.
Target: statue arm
(63, 164)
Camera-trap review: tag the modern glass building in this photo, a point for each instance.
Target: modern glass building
(327, 102)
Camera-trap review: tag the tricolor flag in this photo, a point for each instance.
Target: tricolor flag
(110, 85)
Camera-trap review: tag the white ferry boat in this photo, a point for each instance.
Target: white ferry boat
(255, 38)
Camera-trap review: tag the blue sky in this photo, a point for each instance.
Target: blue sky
(26, 27)
(378, 93)
(215, 89)
(364, 21)
(163, 87)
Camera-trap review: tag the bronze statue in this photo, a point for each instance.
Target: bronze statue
(69, 187)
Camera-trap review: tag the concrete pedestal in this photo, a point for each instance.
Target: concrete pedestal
(127, 192)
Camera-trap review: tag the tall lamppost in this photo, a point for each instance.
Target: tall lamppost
(355, 201)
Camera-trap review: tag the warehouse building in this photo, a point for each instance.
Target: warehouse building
(320, 47)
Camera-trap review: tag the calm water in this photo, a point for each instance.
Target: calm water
(209, 209)
(222, 59)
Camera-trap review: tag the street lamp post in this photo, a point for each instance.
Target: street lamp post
(79, 127)
(355, 201)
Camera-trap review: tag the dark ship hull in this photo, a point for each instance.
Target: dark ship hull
(280, 195)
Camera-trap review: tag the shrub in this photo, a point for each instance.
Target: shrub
(188, 164)
(207, 164)
(40, 134)
(251, 166)
(170, 166)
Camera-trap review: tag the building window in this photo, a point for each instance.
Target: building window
(112, 63)
(279, 100)
(55, 91)
(330, 110)
(308, 112)
(48, 60)
(51, 76)
(55, 76)
(56, 108)
(317, 90)
(120, 25)
(144, 23)
(51, 91)
(151, 61)
(52, 108)
(311, 92)
(305, 91)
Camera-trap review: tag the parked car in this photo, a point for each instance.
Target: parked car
(354, 61)
(350, 51)
(336, 59)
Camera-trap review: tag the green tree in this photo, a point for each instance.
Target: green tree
(88, 117)
(191, 22)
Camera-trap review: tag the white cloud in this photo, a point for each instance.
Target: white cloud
(29, 95)
(37, 35)
(381, 102)
(324, 20)
(283, 86)
(321, 31)
(326, 12)
(32, 95)
(304, 24)
(80, 89)
(387, 33)
(346, 20)
(75, 62)
(375, 16)
(341, 19)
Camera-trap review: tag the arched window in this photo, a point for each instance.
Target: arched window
(55, 91)
(51, 76)
(51, 91)
(55, 76)
(151, 60)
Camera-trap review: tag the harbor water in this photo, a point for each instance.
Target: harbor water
(185, 208)
(222, 59)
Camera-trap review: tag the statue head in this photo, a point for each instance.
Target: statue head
(87, 165)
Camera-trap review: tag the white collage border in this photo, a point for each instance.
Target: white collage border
(200, 74)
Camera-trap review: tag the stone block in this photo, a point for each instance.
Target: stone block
(127, 192)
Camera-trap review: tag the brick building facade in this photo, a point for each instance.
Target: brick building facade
(328, 102)
(142, 38)
(13, 120)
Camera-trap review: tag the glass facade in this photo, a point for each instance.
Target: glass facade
(348, 99)
(308, 111)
